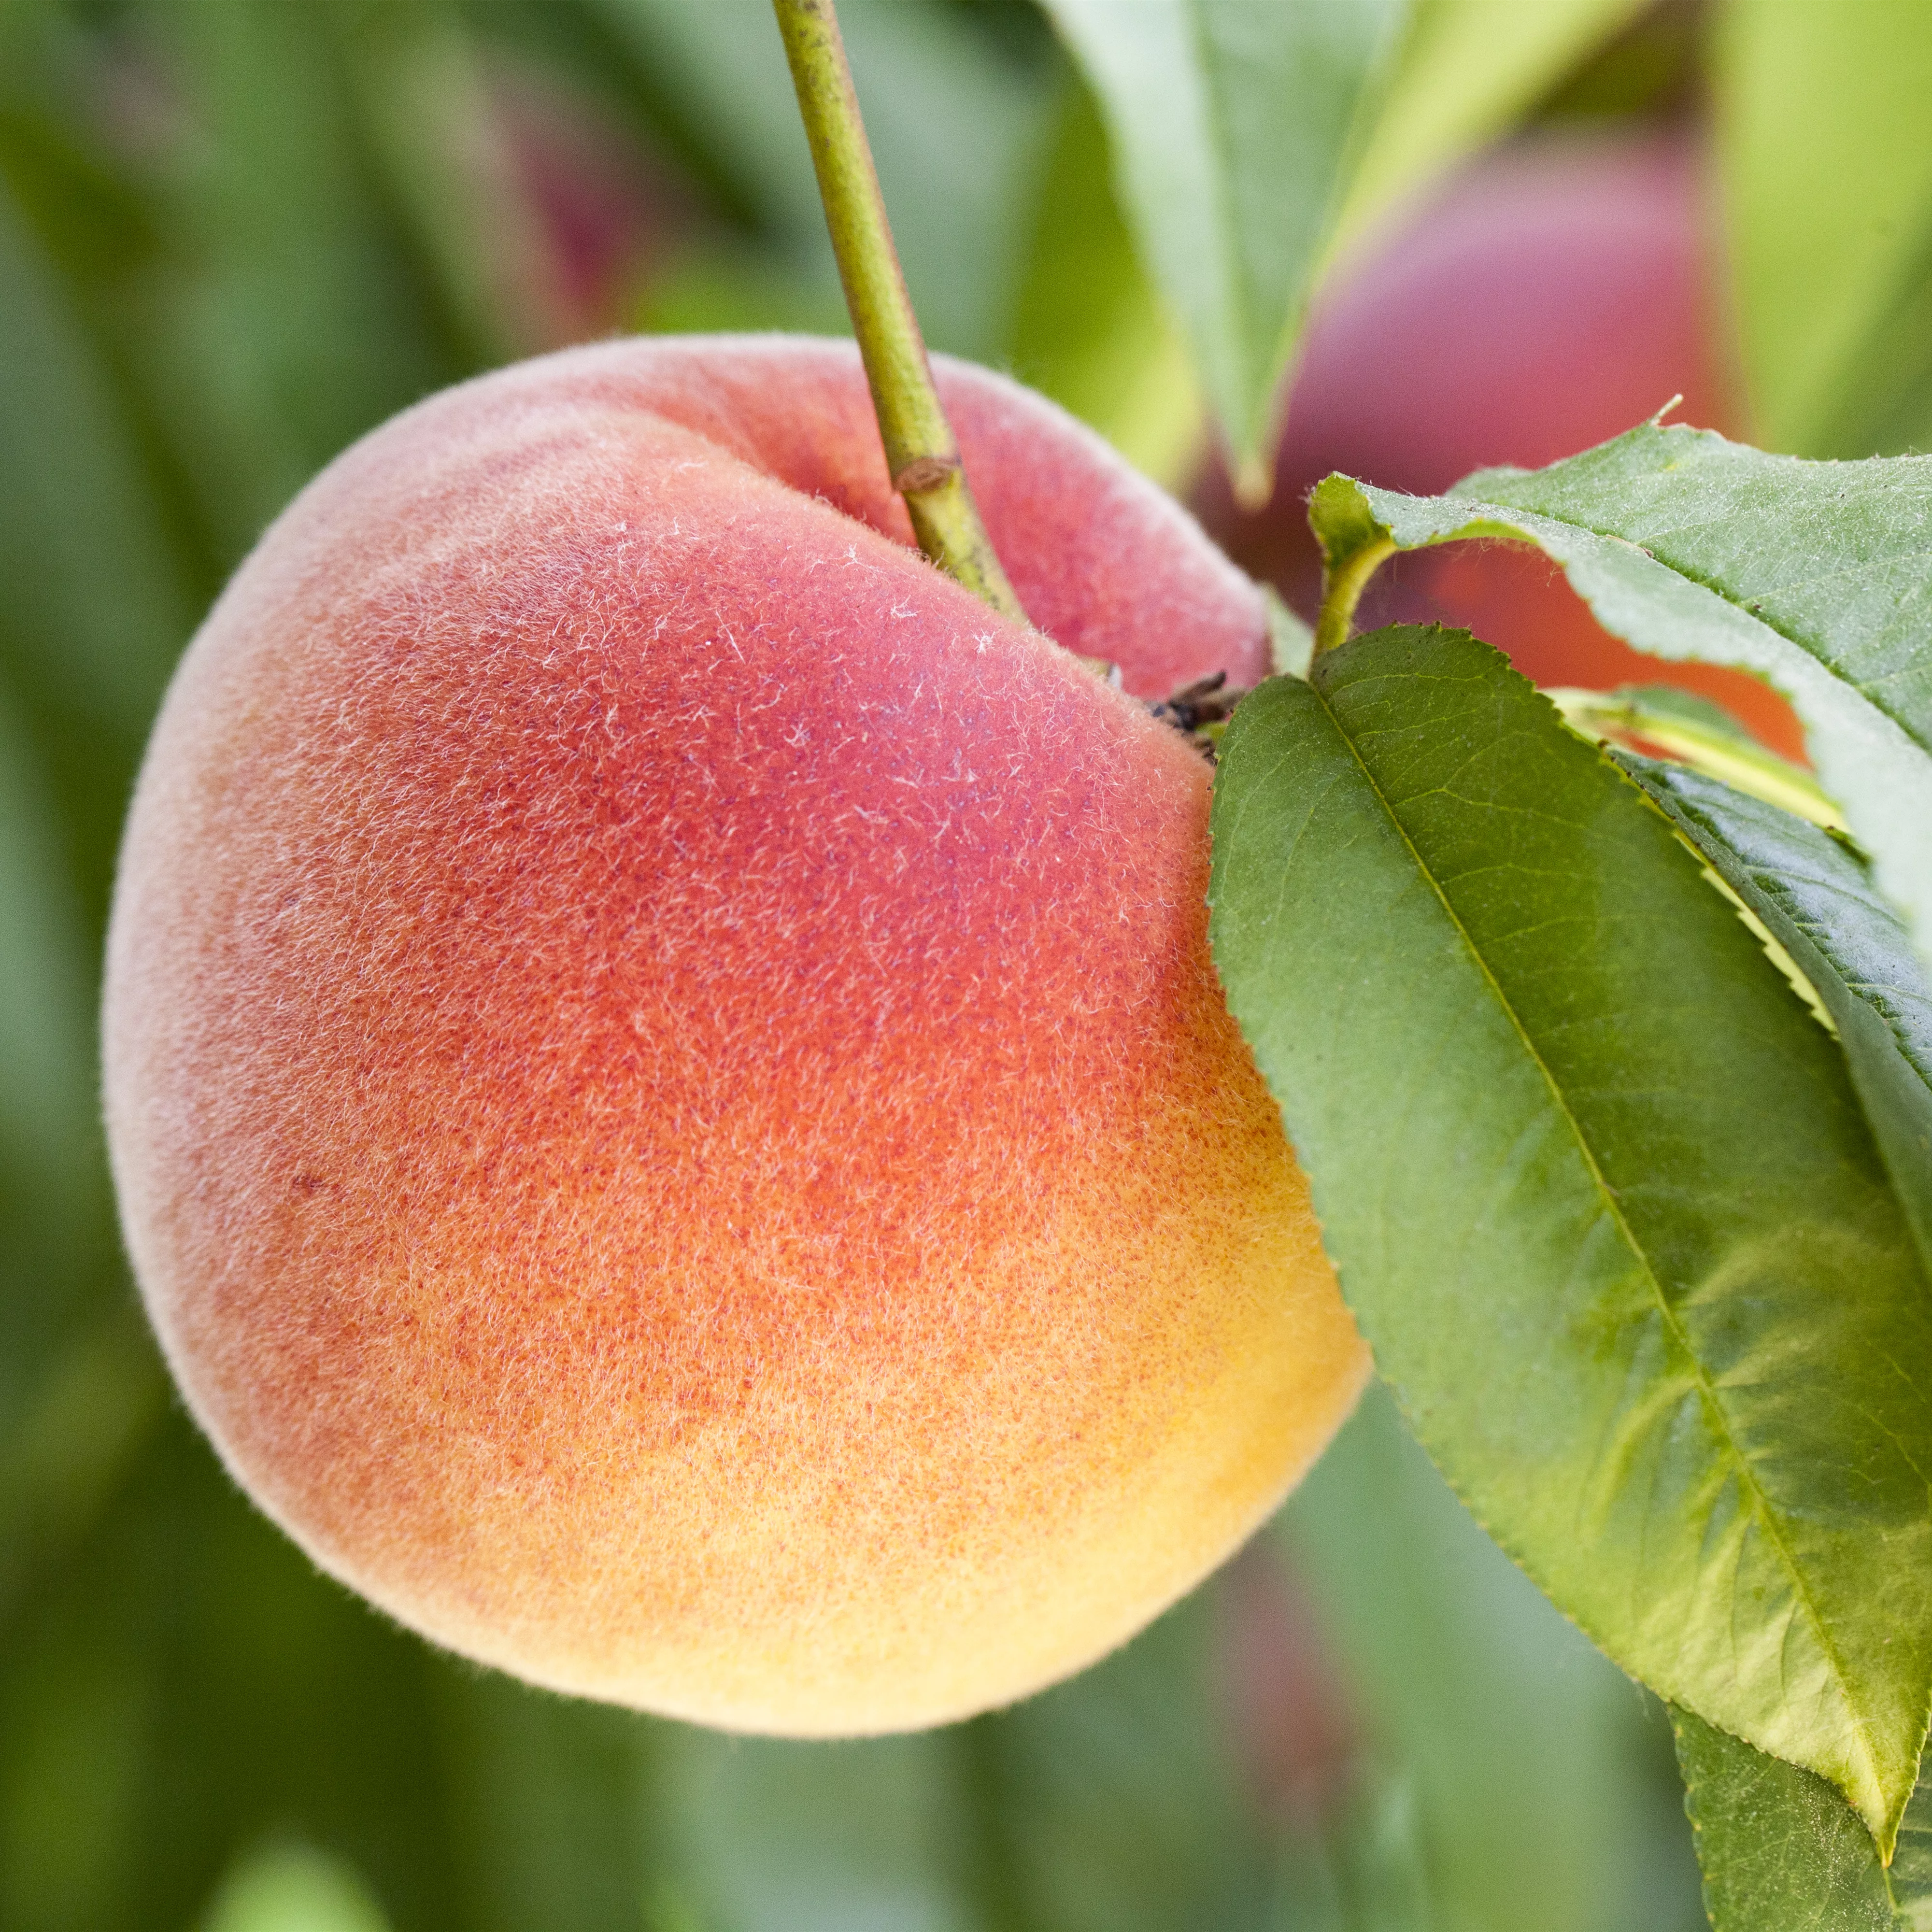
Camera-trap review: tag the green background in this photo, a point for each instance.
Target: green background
(234, 234)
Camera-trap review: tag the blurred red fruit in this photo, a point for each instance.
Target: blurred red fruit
(1555, 294)
(605, 211)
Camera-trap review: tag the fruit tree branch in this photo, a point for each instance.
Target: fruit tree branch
(921, 453)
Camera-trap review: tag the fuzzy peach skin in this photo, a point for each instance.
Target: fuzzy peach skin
(671, 1105)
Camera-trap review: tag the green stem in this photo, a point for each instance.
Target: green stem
(1342, 590)
(1611, 717)
(922, 455)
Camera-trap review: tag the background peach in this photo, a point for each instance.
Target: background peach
(1555, 294)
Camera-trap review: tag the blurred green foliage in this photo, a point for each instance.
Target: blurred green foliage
(235, 234)
(1832, 264)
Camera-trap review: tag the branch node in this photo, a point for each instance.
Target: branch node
(925, 472)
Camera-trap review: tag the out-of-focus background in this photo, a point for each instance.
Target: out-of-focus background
(235, 234)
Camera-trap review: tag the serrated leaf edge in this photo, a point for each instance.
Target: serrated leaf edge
(1880, 1820)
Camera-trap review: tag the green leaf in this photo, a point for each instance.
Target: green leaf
(1817, 576)
(1701, 733)
(1087, 330)
(1780, 1850)
(1469, 69)
(1595, 1182)
(1827, 177)
(1254, 139)
(1232, 123)
(1908, 1877)
(1815, 898)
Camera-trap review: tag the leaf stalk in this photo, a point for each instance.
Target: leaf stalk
(1625, 720)
(1342, 590)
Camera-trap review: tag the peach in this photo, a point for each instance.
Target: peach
(671, 1107)
(1556, 293)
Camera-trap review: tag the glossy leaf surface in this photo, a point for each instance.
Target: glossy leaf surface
(1595, 1180)
(1816, 899)
(1815, 576)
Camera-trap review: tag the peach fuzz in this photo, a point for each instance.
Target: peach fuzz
(672, 1111)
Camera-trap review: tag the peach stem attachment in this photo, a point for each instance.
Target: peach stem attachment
(921, 453)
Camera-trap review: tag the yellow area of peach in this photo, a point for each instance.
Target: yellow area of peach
(980, 1487)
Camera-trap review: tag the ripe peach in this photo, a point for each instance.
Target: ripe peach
(671, 1107)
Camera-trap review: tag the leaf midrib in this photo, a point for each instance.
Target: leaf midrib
(1747, 1475)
